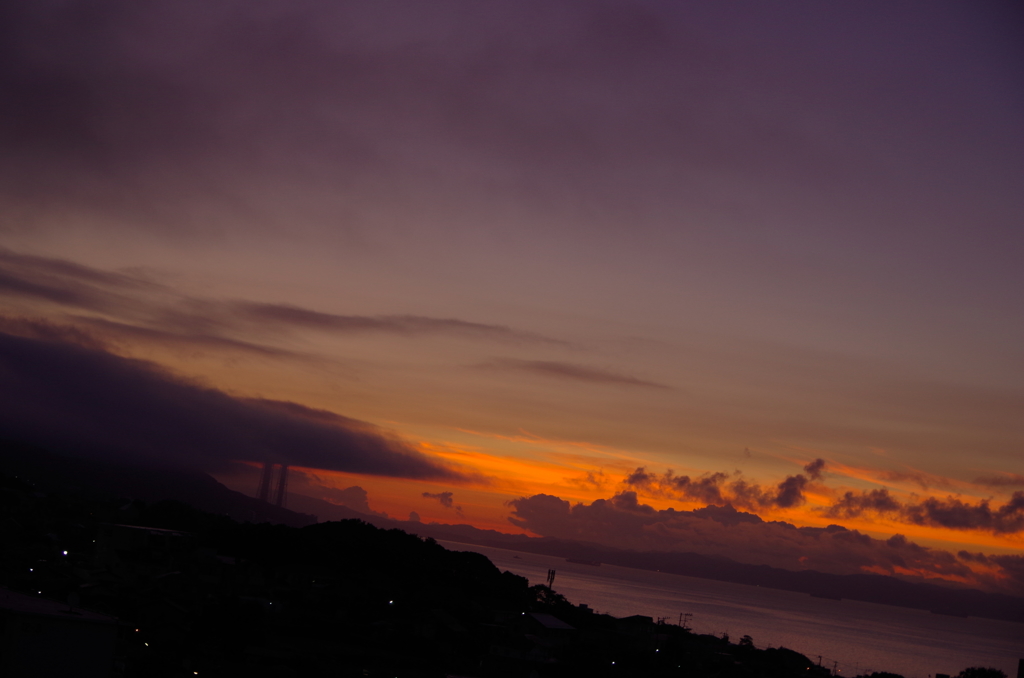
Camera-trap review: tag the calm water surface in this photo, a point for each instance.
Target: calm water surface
(856, 637)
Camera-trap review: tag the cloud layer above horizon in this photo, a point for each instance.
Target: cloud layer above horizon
(535, 249)
(623, 522)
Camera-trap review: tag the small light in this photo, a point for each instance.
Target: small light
(146, 644)
(391, 602)
(65, 553)
(31, 570)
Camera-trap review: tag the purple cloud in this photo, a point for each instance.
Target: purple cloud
(81, 400)
(623, 522)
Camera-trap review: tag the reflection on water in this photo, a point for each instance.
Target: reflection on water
(856, 637)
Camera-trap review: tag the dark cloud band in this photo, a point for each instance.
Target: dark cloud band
(569, 371)
(86, 401)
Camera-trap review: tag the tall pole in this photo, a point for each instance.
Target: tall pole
(282, 486)
(265, 481)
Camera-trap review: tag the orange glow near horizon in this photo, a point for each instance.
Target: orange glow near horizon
(556, 468)
(524, 464)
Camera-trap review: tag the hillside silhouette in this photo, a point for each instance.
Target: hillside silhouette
(116, 480)
(177, 591)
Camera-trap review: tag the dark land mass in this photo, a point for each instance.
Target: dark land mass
(93, 478)
(100, 585)
(104, 479)
(872, 588)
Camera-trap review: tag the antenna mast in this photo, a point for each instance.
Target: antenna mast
(265, 481)
(282, 486)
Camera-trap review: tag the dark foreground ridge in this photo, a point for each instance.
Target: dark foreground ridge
(167, 590)
(96, 584)
(871, 588)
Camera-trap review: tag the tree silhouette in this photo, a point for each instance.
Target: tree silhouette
(981, 672)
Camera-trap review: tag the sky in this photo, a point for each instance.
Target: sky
(575, 269)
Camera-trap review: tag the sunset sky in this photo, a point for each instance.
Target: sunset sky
(534, 250)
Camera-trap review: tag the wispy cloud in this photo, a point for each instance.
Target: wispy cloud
(905, 476)
(590, 480)
(569, 372)
(134, 333)
(133, 305)
(63, 269)
(407, 325)
(1002, 480)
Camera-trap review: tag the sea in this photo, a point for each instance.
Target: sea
(850, 637)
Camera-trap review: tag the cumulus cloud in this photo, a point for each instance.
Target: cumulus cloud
(815, 469)
(623, 522)
(717, 488)
(1013, 565)
(82, 400)
(852, 504)
(948, 512)
(722, 488)
(446, 499)
(569, 371)
(706, 488)
(354, 497)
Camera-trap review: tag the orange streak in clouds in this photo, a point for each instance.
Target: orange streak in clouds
(931, 574)
(516, 475)
(908, 477)
(532, 465)
(566, 449)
